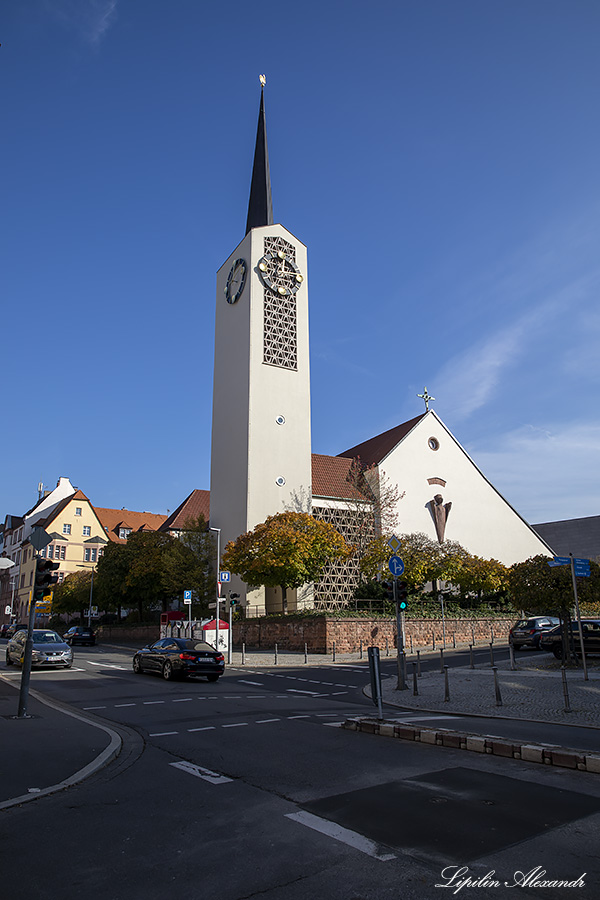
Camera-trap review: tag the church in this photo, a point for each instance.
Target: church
(261, 454)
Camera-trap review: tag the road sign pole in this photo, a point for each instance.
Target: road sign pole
(400, 642)
(585, 672)
(230, 630)
(26, 667)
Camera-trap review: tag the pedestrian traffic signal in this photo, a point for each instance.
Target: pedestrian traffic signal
(44, 578)
(234, 599)
(402, 594)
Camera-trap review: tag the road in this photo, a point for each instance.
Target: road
(246, 788)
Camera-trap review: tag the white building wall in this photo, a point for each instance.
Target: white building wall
(480, 518)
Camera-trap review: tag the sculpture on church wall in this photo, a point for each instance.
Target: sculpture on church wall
(440, 512)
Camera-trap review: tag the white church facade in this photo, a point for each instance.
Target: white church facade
(261, 460)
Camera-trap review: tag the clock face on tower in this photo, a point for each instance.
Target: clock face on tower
(279, 273)
(236, 281)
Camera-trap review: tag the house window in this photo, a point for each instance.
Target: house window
(63, 551)
(50, 552)
(30, 578)
(61, 576)
(87, 530)
(86, 554)
(57, 552)
(124, 532)
(94, 554)
(23, 580)
(77, 510)
(66, 529)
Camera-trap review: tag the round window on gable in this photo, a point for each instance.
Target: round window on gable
(433, 443)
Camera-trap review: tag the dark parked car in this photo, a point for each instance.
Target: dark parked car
(49, 649)
(12, 629)
(3, 629)
(178, 657)
(591, 638)
(80, 635)
(527, 632)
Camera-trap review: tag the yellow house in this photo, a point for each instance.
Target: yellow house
(77, 541)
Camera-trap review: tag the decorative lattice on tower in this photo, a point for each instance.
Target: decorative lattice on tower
(280, 329)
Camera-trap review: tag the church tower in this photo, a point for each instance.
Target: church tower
(261, 445)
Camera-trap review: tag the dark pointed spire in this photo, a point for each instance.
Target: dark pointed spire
(260, 206)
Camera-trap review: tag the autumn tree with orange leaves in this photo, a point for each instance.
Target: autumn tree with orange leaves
(287, 550)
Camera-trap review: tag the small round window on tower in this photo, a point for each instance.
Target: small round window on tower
(280, 420)
(280, 481)
(433, 443)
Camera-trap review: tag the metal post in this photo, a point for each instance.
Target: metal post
(492, 633)
(419, 663)
(472, 635)
(275, 654)
(375, 673)
(387, 649)
(401, 661)
(443, 620)
(441, 659)
(91, 600)
(361, 650)
(574, 580)
(511, 652)
(492, 655)
(433, 640)
(218, 531)
(230, 641)
(446, 686)
(454, 639)
(565, 689)
(415, 688)
(497, 686)
(26, 667)
(243, 654)
(333, 656)
(305, 653)
(411, 646)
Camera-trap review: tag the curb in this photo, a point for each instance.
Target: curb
(103, 759)
(545, 754)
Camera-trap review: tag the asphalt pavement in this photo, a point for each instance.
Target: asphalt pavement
(56, 746)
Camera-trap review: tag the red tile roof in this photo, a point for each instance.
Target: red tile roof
(113, 519)
(195, 504)
(329, 478)
(378, 447)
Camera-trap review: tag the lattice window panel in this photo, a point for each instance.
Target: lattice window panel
(280, 330)
(339, 578)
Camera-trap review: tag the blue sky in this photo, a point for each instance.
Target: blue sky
(439, 158)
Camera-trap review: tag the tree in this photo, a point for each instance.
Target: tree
(287, 550)
(374, 504)
(190, 564)
(73, 594)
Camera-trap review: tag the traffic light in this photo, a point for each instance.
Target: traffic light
(234, 599)
(402, 594)
(389, 590)
(44, 578)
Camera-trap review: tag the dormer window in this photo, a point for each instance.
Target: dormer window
(124, 533)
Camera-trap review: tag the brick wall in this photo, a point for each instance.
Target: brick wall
(319, 633)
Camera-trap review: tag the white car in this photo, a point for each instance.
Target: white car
(49, 649)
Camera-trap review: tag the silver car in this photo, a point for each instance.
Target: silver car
(49, 649)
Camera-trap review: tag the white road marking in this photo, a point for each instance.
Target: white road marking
(162, 733)
(205, 728)
(338, 833)
(235, 725)
(337, 693)
(254, 683)
(93, 707)
(152, 702)
(183, 700)
(119, 705)
(106, 665)
(326, 715)
(263, 721)
(299, 717)
(298, 691)
(199, 772)
(256, 696)
(334, 724)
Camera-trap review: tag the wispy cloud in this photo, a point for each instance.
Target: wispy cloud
(90, 18)
(552, 471)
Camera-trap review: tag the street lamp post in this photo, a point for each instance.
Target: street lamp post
(218, 531)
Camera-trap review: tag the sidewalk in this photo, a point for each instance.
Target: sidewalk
(49, 750)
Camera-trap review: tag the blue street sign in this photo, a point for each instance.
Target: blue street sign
(582, 571)
(187, 595)
(560, 561)
(396, 566)
(581, 562)
(224, 577)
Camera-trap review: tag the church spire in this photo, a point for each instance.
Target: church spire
(260, 207)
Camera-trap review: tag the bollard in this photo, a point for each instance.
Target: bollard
(454, 639)
(433, 640)
(404, 668)
(275, 654)
(243, 654)
(497, 686)
(492, 632)
(492, 655)
(415, 688)
(333, 655)
(387, 651)
(511, 652)
(471, 656)
(361, 654)
(472, 635)
(410, 639)
(419, 663)
(565, 689)
(446, 686)
(441, 659)
(305, 653)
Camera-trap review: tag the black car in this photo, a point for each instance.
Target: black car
(12, 629)
(591, 638)
(178, 657)
(79, 634)
(527, 632)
